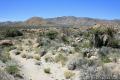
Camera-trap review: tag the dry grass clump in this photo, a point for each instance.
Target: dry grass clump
(68, 74)
(49, 58)
(37, 57)
(61, 58)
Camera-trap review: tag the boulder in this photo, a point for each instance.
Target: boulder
(6, 42)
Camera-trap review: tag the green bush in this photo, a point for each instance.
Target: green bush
(114, 43)
(12, 69)
(105, 59)
(65, 39)
(12, 33)
(4, 55)
(52, 34)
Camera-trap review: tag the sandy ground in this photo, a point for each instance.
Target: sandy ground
(32, 71)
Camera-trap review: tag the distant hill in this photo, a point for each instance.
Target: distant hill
(36, 21)
(69, 21)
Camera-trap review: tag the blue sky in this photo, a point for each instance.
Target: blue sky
(23, 9)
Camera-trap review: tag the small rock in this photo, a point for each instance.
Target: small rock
(38, 63)
(36, 45)
(42, 53)
(93, 57)
(71, 67)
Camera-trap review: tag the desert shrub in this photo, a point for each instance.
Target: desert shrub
(5, 76)
(37, 57)
(52, 34)
(76, 47)
(65, 39)
(114, 43)
(79, 63)
(42, 33)
(12, 69)
(86, 44)
(48, 58)
(104, 51)
(86, 34)
(12, 33)
(47, 70)
(68, 74)
(4, 55)
(43, 41)
(110, 31)
(98, 73)
(61, 58)
(105, 59)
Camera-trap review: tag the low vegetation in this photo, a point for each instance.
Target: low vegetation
(12, 69)
(68, 74)
(61, 58)
(12, 33)
(47, 70)
(86, 52)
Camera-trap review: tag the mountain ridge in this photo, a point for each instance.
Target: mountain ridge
(63, 21)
